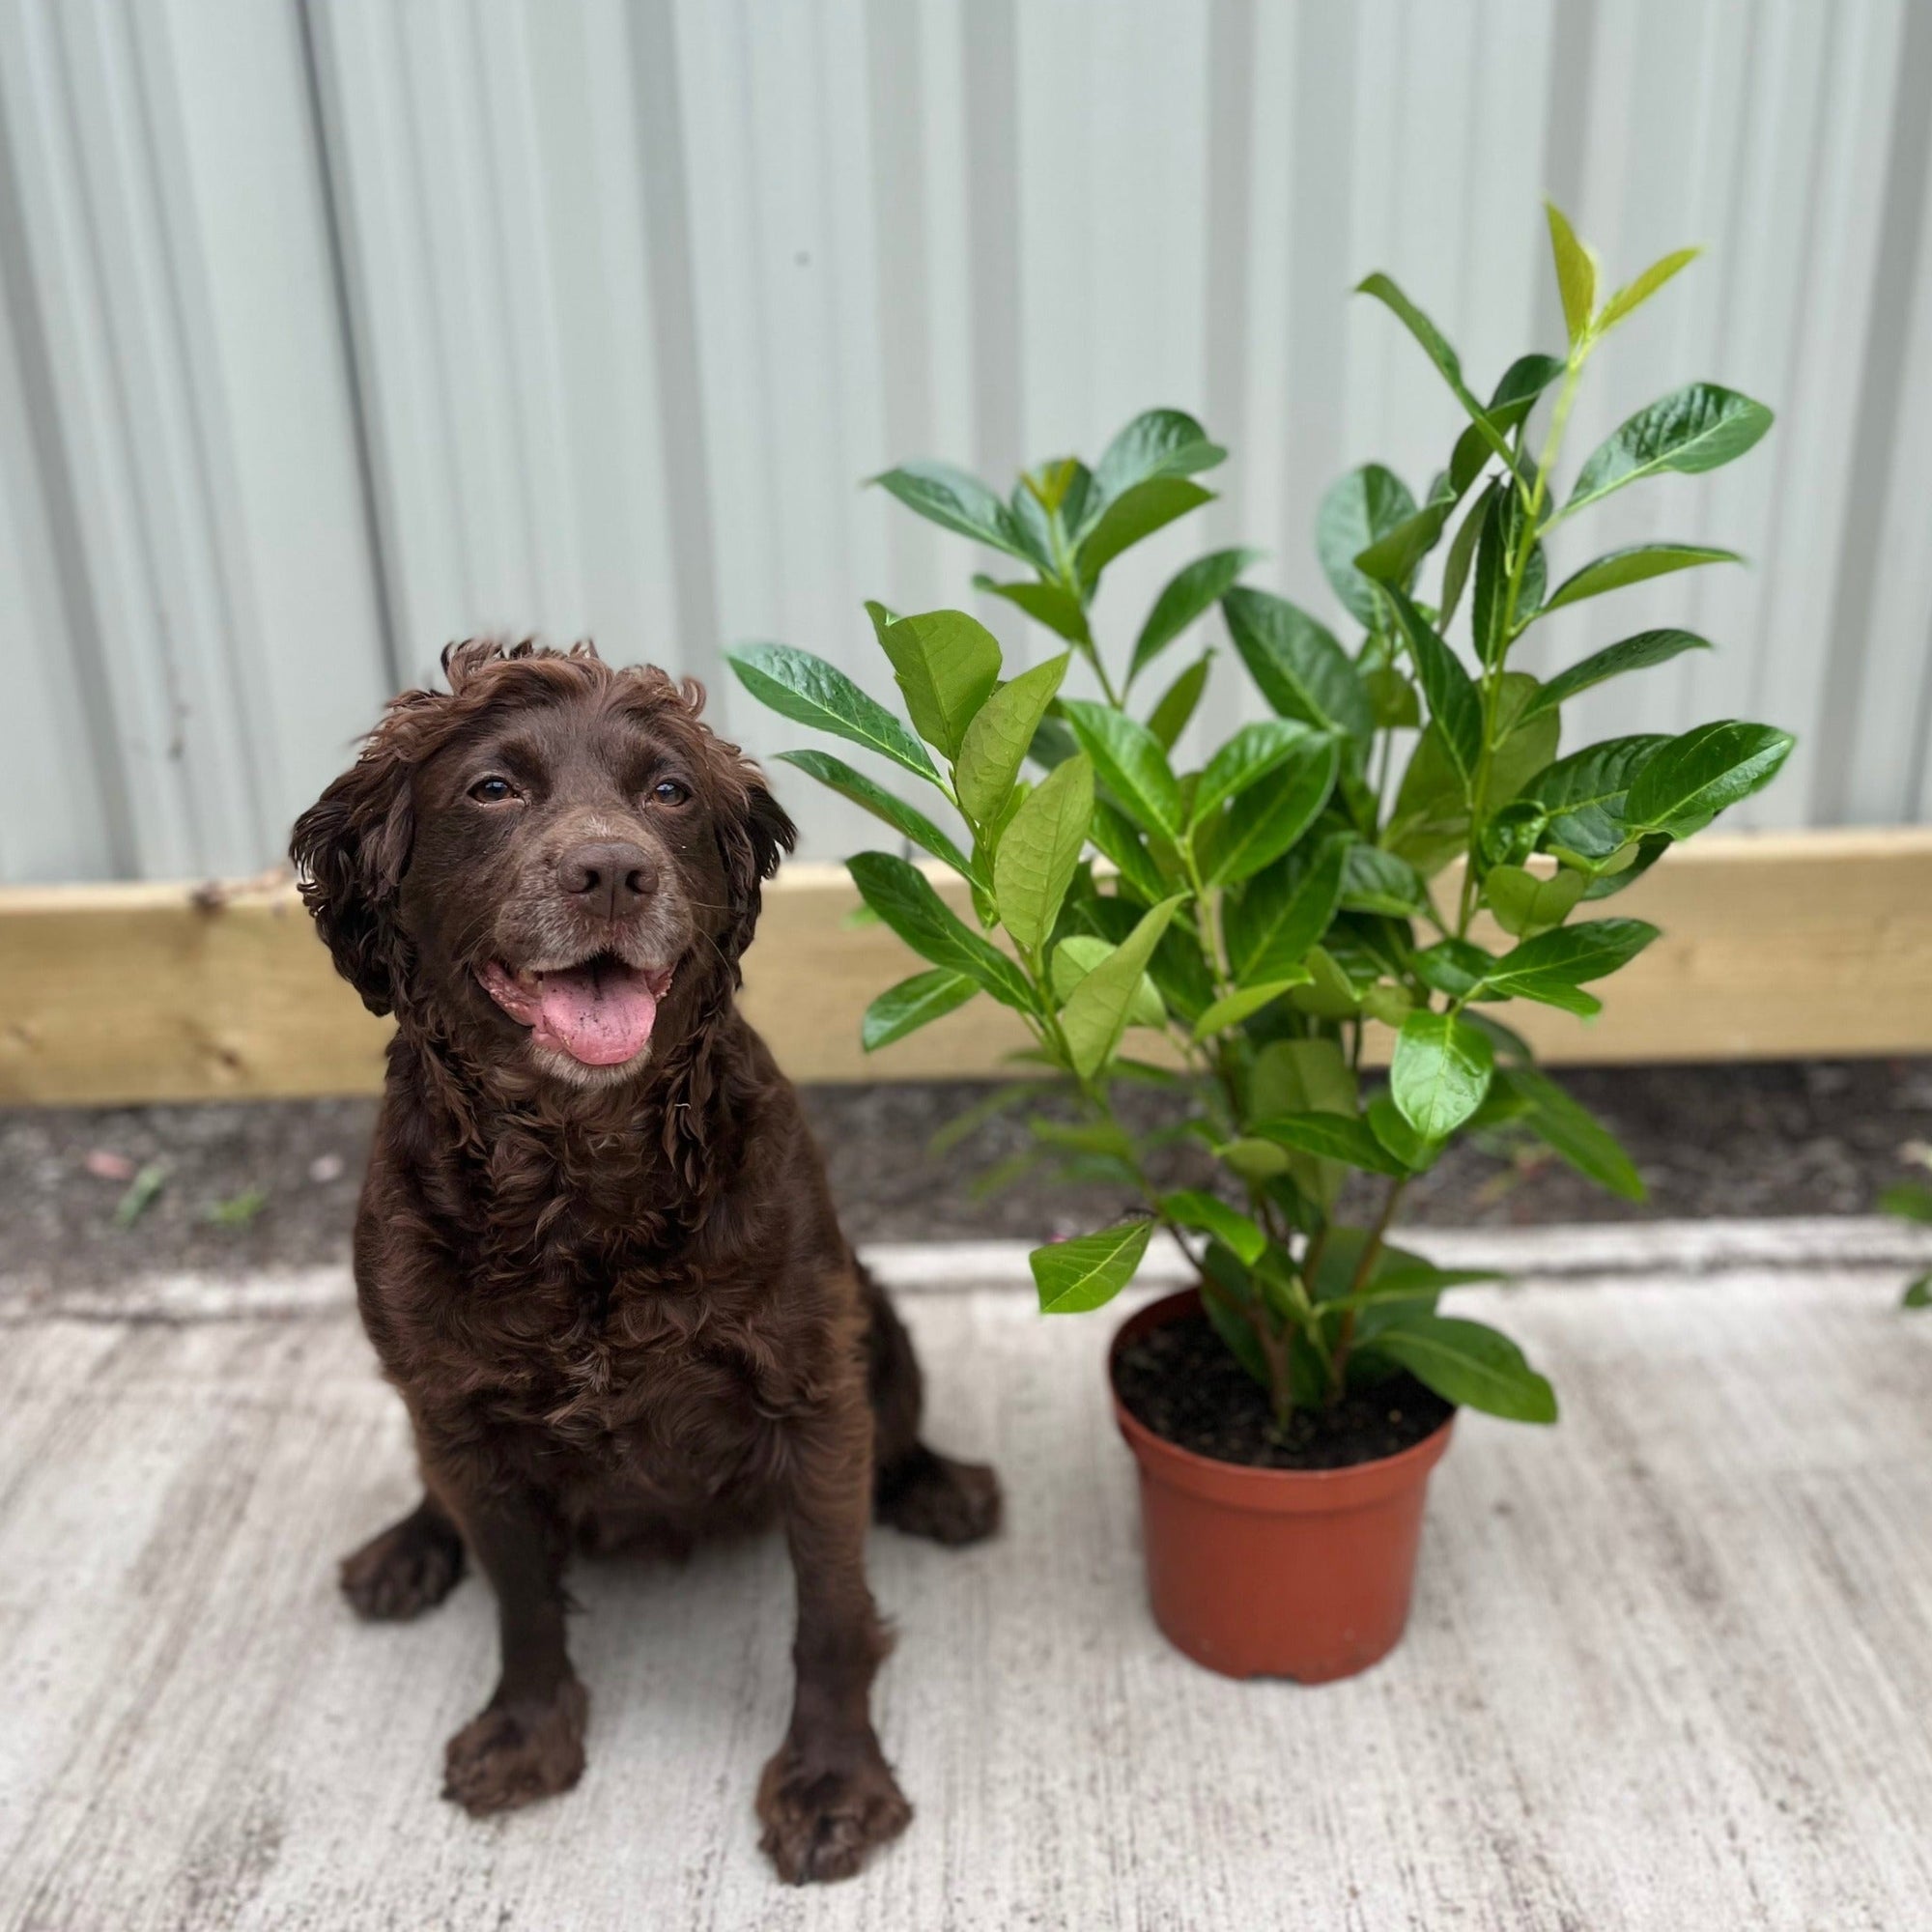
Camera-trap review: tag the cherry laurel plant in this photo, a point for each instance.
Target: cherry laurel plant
(1255, 917)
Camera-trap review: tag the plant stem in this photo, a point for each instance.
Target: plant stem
(1345, 1335)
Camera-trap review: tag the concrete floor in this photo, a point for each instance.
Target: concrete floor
(1670, 1663)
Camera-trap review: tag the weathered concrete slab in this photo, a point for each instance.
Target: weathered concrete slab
(1670, 1663)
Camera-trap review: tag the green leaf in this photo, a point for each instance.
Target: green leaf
(1691, 430)
(1387, 1124)
(1265, 821)
(837, 774)
(1919, 1295)
(1572, 1132)
(1430, 824)
(1087, 1271)
(1524, 905)
(1637, 564)
(1436, 347)
(1470, 1364)
(913, 1004)
(1357, 510)
(1585, 793)
(1907, 1200)
(1646, 285)
(904, 898)
(1454, 702)
(1168, 718)
(1040, 849)
(956, 501)
(1637, 653)
(1463, 551)
(1188, 595)
(1048, 604)
(1339, 1137)
(1190, 1207)
(1252, 1159)
(1136, 513)
(809, 691)
(1378, 882)
(1130, 762)
(1114, 833)
(1244, 1002)
(1576, 274)
(1501, 531)
(1304, 1076)
(1516, 395)
(1453, 966)
(1248, 756)
(1406, 1281)
(1439, 1073)
(1296, 664)
(1691, 779)
(1156, 443)
(946, 663)
(1525, 737)
(1093, 1019)
(1078, 954)
(995, 742)
(1284, 910)
(1553, 965)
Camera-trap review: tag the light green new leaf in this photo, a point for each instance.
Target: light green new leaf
(1470, 1364)
(1637, 564)
(1576, 274)
(1524, 905)
(1441, 1072)
(1691, 430)
(956, 501)
(809, 691)
(1040, 849)
(1572, 1132)
(1190, 1207)
(1691, 779)
(1454, 702)
(1339, 1137)
(1637, 653)
(946, 663)
(1297, 665)
(901, 895)
(1436, 347)
(1093, 1019)
(1189, 594)
(1248, 756)
(1168, 718)
(996, 742)
(1048, 604)
(1130, 762)
(913, 1004)
(1136, 513)
(840, 777)
(1078, 954)
(1087, 1271)
(1356, 511)
(1284, 910)
(1265, 821)
(1633, 294)
(1387, 1124)
(1232, 1008)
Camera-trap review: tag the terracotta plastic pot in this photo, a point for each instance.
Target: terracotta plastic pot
(1275, 1573)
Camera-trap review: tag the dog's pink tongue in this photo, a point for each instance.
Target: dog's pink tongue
(599, 1014)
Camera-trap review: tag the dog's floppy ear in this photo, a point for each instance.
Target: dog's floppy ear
(349, 850)
(755, 833)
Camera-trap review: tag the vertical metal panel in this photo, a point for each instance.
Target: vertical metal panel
(590, 317)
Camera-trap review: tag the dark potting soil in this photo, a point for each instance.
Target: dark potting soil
(1182, 1382)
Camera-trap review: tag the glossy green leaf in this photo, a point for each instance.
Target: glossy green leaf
(1453, 966)
(1637, 653)
(1077, 955)
(947, 664)
(1116, 837)
(1284, 910)
(1441, 1072)
(1430, 824)
(1633, 294)
(1168, 718)
(1494, 551)
(1585, 793)
(1131, 761)
(1387, 1124)
(1159, 443)
(1190, 1207)
(995, 742)
(1296, 664)
(1572, 1132)
(1341, 1137)
(1454, 702)
(1691, 430)
(1470, 1364)
(1395, 557)
(1691, 779)
(1576, 274)
(1095, 1017)
(1087, 1271)
(1232, 1008)
(956, 501)
(1637, 564)
(1247, 757)
(1553, 965)
(1135, 514)
(837, 774)
(809, 691)
(1516, 395)
(1462, 553)
(913, 1004)
(1378, 882)
(1527, 737)
(1356, 511)
(1037, 852)
(1187, 596)
(1048, 604)
(1525, 904)
(1268, 818)
(904, 898)
(1436, 347)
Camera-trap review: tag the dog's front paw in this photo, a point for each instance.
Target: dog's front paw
(825, 1806)
(410, 1567)
(515, 1753)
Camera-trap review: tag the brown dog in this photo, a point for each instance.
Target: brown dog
(596, 1252)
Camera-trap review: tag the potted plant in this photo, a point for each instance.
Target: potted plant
(1402, 846)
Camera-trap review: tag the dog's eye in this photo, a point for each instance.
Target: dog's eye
(667, 791)
(492, 790)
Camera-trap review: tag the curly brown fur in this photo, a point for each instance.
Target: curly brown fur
(595, 1251)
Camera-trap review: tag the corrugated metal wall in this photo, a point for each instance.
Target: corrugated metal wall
(331, 330)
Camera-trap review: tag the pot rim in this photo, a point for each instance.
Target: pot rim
(1242, 1486)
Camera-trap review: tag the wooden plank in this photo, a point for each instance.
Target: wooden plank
(1774, 946)
(1667, 1665)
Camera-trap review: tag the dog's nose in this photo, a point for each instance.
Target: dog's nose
(610, 874)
